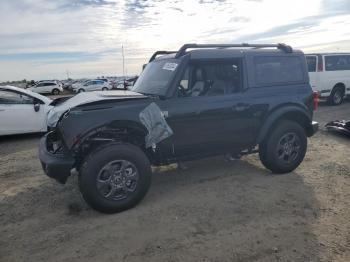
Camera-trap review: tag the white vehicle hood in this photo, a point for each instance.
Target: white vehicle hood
(27, 91)
(85, 98)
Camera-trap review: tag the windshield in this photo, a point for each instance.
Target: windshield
(156, 76)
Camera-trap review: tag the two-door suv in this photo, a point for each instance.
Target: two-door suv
(200, 101)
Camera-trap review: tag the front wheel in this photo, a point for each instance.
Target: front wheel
(81, 90)
(104, 88)
(284, 148)
(115, 178)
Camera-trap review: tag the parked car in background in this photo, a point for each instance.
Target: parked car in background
(66, 84)
(330, 75)
(58, 82)
(47, 87)
(126, 83)
(92, 85)
(22, 111)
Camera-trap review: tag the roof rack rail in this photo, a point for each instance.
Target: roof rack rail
(182, 50)
(160, 53)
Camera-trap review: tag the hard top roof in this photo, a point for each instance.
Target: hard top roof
(331, 53)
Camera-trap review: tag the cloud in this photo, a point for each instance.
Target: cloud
(42, 38)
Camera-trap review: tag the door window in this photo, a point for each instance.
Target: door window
(271, 70)
(98, 82)
(211, 79)
(337, 62)
(11, 98)
(311, 63)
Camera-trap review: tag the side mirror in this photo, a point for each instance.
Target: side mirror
(36, 107)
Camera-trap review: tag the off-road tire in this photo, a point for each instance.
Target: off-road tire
(270, 148)
(97, 160)
(336, 97)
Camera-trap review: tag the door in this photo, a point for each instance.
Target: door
(89, 86)
(98, 84)
(209, 114)
(39, 88)
(17, 114)
(312, 68)
(337, 70)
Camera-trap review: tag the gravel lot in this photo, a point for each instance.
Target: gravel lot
(213, 211)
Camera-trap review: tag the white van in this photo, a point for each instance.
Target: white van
(330, 75)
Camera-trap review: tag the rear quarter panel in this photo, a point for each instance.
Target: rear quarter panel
(266, 99)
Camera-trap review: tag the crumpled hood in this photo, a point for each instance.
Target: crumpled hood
(85, 98)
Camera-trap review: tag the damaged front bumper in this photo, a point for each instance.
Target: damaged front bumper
(56, 165)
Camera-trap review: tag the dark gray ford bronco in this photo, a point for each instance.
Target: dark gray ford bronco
(200, 101)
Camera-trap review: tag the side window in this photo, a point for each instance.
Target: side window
(337, 62)
(311, 63)
(40, 85)
(211, 78)
(10, 98)
(49, 84)
(278, 69)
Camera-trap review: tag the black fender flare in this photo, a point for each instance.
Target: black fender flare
(131, 125)
(291, 112)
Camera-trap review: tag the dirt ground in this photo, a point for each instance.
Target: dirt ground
(213, 211)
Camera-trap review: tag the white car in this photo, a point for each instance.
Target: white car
(330, 75)
(47, 87)
(92, 85)
(22, 111)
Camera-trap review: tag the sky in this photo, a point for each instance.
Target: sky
(46, 39)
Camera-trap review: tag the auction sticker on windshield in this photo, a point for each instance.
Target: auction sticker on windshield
(170, 66)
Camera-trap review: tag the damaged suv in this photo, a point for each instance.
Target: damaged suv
(200, 101)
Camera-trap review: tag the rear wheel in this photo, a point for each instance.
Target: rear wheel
(55, 91)
(336, 97)
(104, 88)
(115, 178)
(81, 90)
(284, 148)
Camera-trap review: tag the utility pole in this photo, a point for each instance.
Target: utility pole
(67, 74)
(123, 62)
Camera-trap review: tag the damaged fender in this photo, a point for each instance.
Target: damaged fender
(154, 120)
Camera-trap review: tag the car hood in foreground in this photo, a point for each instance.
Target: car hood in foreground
(86, 98)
